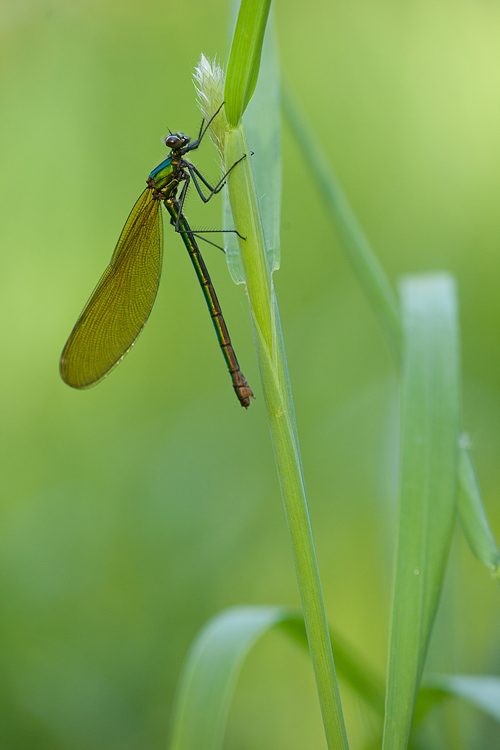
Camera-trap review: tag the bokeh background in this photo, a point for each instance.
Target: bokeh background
(133, 512)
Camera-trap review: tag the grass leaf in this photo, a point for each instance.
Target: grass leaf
(244, 58)
(370, 272)
(263, 127)
(210, 672)
(430, 419)
(473, 516)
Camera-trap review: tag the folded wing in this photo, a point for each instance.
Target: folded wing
(121, 303)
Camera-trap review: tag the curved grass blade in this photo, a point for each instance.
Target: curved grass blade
(210, 672)
(473, 516)
(121, 303)
(430, 419)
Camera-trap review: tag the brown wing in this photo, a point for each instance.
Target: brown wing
(121, 303)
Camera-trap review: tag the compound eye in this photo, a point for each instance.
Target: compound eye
(173, 141)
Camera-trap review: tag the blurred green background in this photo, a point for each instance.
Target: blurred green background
(133, 512)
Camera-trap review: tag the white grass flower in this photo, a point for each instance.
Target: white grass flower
(209, 85)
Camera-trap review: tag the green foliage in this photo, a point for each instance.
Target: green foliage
(277, 392)
(215, 659)
(244, 60)
(430, 414)
(473, 515)
(367, 266)
(210, 673)
(133, 512)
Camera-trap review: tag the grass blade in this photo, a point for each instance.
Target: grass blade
(210, 673)
(244, 58)
(430, 418)
(367, 266)
(473, 517)
(263, 126)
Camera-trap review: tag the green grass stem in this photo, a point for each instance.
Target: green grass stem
(212, 666)
(281, 416)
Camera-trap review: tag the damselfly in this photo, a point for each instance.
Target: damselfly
(121, 303)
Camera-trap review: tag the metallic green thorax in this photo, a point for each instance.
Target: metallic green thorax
(166, 175)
